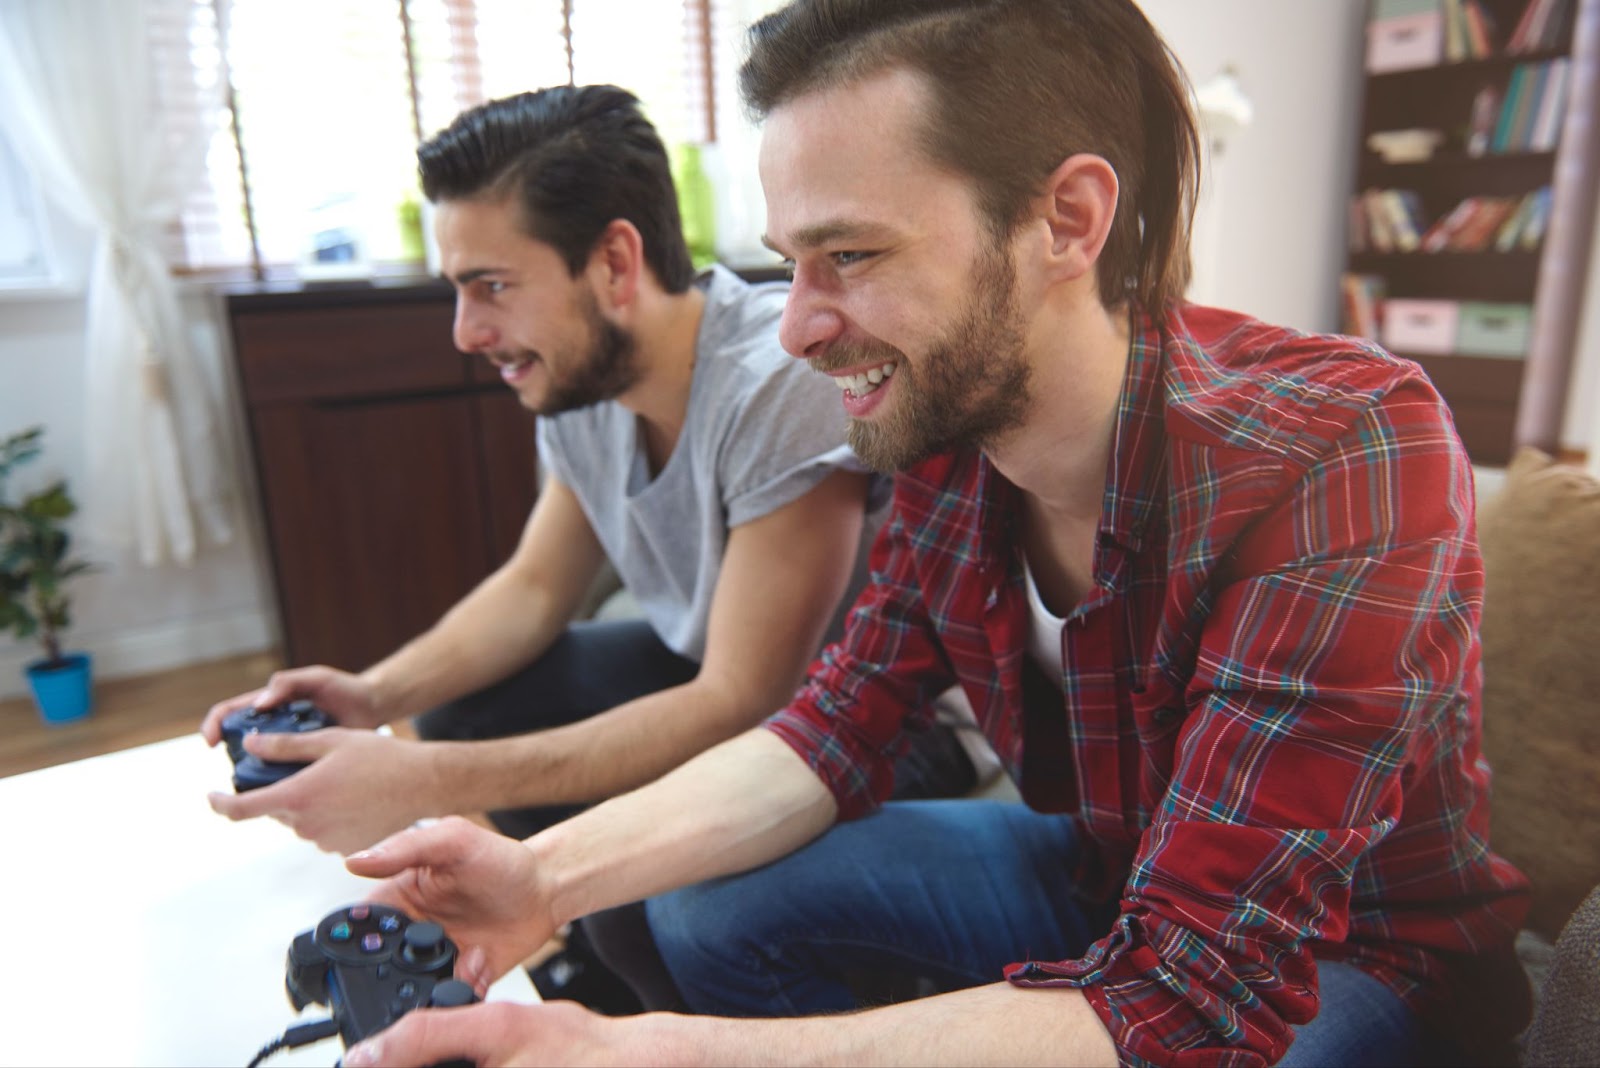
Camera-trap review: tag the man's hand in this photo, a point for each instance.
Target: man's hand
(347, 698)
(504, 1033)
(483, 888)
(360, 788)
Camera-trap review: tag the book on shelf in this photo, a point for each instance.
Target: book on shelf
(1533, 227)
(1363, 305)
(1546, 126)
(1386, 220)
(1479, 223)
(1469, 30)
(1481, 125)
(1542, 27)
(1533, 106)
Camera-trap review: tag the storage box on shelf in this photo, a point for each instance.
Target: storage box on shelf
(1473, 204)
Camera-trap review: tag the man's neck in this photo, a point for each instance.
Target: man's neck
(667, 332)
(1060, 454)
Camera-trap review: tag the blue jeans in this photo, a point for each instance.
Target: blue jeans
(951, 892)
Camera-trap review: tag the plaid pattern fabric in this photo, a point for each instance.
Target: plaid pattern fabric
(1268, 726)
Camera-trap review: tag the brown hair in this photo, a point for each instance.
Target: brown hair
(1019, 86)
(576, 157)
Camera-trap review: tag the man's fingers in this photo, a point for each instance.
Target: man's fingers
(293, 748)
(435, 845)
(432, 1036)
(241, 806)
(474, 969)
(211, 725)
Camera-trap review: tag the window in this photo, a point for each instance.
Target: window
(329, 98)
(25, 260)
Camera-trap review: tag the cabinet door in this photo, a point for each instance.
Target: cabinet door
(376, 510)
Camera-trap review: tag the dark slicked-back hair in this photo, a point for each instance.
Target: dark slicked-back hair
(575, 158)
(1018, 86)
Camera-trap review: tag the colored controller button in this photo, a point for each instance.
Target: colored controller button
(389, 924)
(359, 912)
(371, 942)
(340, 932)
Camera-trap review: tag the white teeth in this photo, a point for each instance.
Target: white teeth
(862, 384)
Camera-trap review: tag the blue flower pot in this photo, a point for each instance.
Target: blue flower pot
(63, 691)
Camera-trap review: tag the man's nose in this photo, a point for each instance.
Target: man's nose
(811, 316)
(472, 331)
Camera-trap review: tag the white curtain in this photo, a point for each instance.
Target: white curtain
(78, 98)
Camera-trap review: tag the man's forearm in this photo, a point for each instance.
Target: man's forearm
(603, 756)
(736, 806)
(997, 1024)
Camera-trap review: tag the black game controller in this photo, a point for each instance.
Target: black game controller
(250, 772)
(371, 965)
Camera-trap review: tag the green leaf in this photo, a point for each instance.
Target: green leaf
(52, 502)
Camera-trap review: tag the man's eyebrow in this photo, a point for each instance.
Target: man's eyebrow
(826, 232)
(466, 278)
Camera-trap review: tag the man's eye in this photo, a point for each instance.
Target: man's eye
(845, 259)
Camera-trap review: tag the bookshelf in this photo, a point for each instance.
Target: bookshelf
(1472, 210)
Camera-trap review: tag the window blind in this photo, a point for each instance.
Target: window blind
(314, 107)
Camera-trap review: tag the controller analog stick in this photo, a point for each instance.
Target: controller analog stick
(422, 944)
(452, 994)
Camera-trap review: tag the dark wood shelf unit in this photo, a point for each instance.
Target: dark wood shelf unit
(1486, 276)
(394, 472)
(1498, 402)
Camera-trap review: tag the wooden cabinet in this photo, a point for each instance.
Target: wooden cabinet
(1463, 98)
(394, 472)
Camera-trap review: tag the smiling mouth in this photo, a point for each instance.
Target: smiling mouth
(510, 362)
(859, 385)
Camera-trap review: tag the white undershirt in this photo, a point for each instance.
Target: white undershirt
(1044, 629)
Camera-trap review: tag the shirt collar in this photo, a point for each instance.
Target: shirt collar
(1138, 468)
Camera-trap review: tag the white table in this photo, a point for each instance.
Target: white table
(144, 929)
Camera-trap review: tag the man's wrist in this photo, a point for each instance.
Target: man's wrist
(385, 696)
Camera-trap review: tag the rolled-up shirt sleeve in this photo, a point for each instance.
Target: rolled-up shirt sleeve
(847, 721)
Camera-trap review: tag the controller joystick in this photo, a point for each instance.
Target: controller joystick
(250, 772)
(371, 965)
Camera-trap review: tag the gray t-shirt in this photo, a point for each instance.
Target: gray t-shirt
(762, 429)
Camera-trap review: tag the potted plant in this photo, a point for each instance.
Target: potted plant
(34, 570)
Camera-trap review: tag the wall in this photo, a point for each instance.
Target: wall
(1280, 203)
(1281, 183)
(132, 619)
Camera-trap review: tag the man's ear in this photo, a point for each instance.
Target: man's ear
(1078, 205)
(615, 264)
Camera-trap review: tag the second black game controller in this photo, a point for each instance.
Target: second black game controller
(250, 772)
(371, 965)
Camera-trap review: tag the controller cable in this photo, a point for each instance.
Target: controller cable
(295, 1037)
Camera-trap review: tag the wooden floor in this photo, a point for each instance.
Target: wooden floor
(127, 712)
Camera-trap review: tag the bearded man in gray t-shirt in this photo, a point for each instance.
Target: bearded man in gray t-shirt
(679, 442)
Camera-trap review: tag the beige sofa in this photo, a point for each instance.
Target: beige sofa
(1540, 536)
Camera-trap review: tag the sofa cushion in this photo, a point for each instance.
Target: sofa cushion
(1540, 535)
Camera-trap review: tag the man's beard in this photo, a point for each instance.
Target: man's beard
(608, 370)
(968, 388)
